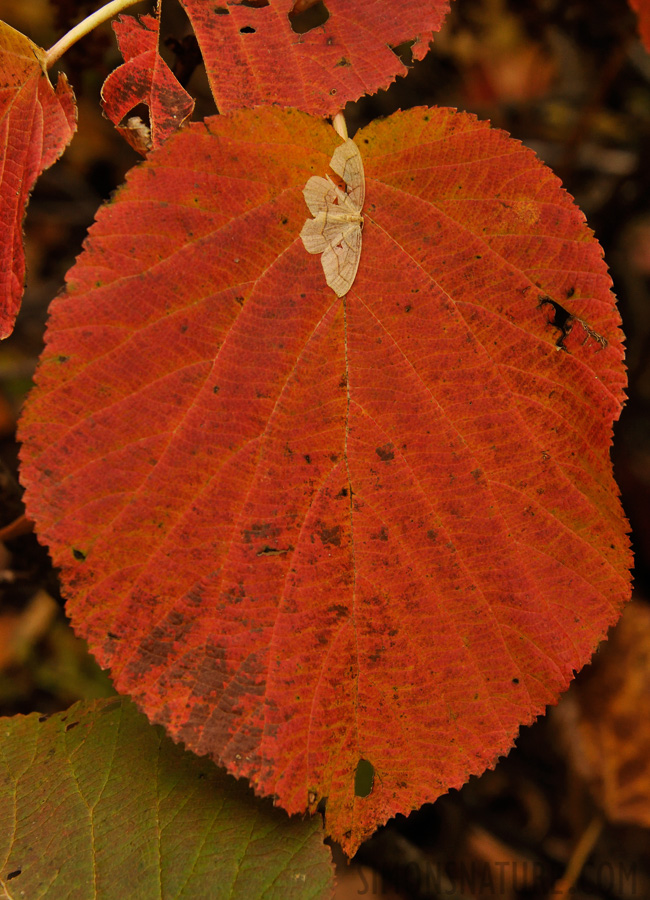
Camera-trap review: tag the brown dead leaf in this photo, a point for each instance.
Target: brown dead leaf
(604, 722)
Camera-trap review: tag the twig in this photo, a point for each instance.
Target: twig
(85, 27)
(578, 859)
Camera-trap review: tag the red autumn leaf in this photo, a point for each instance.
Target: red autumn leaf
(345, 547)
(255, 54)
(642, 9)
(144, 78)
(36, 125)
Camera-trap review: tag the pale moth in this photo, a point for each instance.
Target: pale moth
(335, 230)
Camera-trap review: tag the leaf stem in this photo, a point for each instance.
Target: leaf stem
(338, 122)
(85, 27)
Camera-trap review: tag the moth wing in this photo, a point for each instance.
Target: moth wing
(313, 234)
(340, 261)
(347, 162)
(322, 194)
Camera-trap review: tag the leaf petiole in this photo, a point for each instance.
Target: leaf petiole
(338, 123)
(85, 27)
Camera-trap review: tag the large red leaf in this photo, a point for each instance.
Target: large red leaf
(144, 78)
(642, 9)
(36, 125)
(253, 55)
(306, 532)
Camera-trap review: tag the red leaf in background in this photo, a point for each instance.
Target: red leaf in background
(254, 56)
(36, 125)
(144, 78)
(345, 547)
(642, 9)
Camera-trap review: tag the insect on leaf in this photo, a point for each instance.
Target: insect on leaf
(335, 230)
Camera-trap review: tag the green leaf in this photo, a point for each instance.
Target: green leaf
(97, 803)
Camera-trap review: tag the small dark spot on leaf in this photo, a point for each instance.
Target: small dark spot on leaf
(43, 718)
(343, 62)
(221, 11)
(14, 874)
(331, 535)
(62, 359)
(78, 554)
(339, 610)
(570, 293)
(259, 530)
(183, 329)
(386, 452)
(112, 637)
(333, 92)
(202, 775)
(272, 551)
(308, 459)
(247, 29)
(432, 535)
(216, 389)
(254, 4)
(343, 492)
(381, 535)
(308, 19)
(515, 681)
(364, 778)
(71, 726)
(284, 220)
(408, 308)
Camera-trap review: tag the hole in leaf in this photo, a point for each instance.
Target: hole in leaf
(364, 778)
(247, 29)
(304, 18)
(254, 4)
(78, 554)
(561, 318)
(221, 11)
